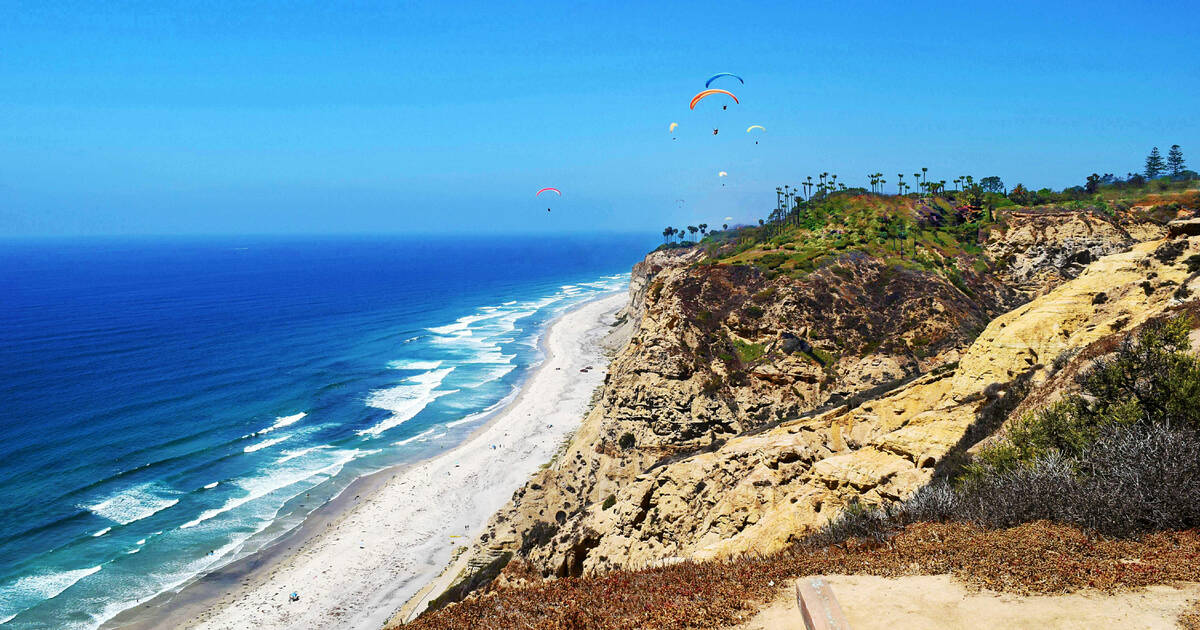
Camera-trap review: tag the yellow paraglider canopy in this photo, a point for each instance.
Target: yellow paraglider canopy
(753, 127)
(672, 126)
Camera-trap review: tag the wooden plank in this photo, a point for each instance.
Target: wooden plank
(818, 606)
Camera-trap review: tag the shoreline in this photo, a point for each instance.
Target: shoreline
(357, 559)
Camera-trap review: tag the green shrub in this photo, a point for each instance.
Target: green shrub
(1150, 380)
(764, 296)
(748, 352)
(627, 441)
(754, 311)
(610, 501)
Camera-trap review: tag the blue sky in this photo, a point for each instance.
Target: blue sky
(273, 117)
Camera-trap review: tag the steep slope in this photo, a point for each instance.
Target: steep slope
(760, 492)
(749, 407)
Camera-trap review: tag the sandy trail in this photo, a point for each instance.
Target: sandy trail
(938, 602)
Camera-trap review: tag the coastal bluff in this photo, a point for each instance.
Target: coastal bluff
(743, 411)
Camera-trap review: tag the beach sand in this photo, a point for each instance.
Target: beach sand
(355, 561)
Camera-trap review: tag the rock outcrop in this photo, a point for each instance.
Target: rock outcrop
(1037, 251)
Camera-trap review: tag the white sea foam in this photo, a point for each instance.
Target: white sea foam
(283, 421)
(134, 504)
(102, 532)
(212, 485)
(31, 589)
(413, 364)
(418, 437)
(142, 541)
(462, 323)
(133, 551)
(265, 443)
(480, 414)
(406, 401)
(290, 455)
(493, 355)
(277, 479)
(489, 374)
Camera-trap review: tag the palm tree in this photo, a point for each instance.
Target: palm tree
(900, 183)
(956, 184)
(666, 233)
(703, 227)
(925, 173)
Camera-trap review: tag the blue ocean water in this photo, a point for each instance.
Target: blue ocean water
(167, 406)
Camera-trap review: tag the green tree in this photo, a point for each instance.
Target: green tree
(1020, 195)
(1093, 183)
(992, 184)
(1154, 164)
(1175, 162)
(693, 229)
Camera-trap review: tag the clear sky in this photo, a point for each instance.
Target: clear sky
(325, 117)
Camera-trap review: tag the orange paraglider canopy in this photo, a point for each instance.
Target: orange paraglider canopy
(707, 93)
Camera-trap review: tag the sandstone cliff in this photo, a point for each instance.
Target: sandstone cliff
(745, 410)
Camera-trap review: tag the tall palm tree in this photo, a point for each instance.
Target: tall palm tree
(925, 173)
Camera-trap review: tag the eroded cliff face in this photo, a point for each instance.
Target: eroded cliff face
(1038, 251)
(744, 411)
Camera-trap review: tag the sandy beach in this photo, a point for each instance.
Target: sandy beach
(355, 561)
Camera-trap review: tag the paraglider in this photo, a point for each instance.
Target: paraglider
(556, 191)
(707, 93)
(723, 74)
(753, 127)
(671, 128)
(722, 174)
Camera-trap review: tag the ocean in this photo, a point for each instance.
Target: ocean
(170, 405)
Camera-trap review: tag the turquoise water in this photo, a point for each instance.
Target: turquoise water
(171, 405)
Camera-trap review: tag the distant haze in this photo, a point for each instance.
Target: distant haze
(223, 117)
